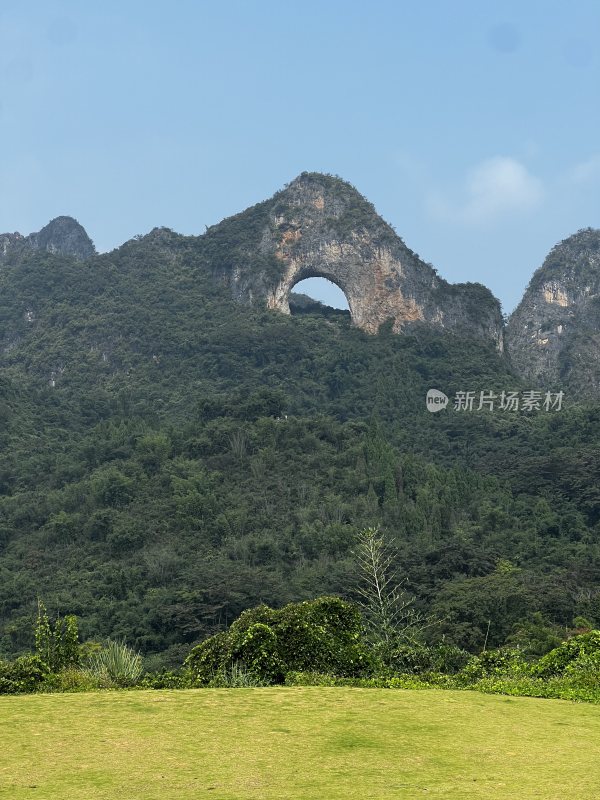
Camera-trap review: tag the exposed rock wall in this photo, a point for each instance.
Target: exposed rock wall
(553, 336)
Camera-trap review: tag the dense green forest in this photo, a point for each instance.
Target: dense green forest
(170, 458)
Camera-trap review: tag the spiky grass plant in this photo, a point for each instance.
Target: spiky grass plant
(116, 665)
(235, 677)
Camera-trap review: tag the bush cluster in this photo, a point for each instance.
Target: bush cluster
(322, 635)
(62, 664)
(570, 671)
(313, 643)
(24, 674)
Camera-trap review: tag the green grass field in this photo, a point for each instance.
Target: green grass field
(318, 743)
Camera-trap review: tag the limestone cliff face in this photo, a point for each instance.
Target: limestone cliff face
(320, 226)
(553, 336)
(62, 236)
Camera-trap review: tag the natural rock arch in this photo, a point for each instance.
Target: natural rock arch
(321, 227)
(281, 296)
(369, 279)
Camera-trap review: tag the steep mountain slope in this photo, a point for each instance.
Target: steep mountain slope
(553, 335)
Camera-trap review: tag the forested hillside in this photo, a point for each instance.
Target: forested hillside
(170, 458)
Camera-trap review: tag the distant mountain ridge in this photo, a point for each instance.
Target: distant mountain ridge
(321, 226)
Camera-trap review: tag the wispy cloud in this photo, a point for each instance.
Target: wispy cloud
(495, 188)
(586, 171)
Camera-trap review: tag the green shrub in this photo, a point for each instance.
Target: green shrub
(166, 679)
(71, 680)
(57, 647)
(25, 674)
(322, 635)
(380, 681)
(420, 658)
(586, 647)
(504, 662)
(448, 658)
(516, 686)
(207, 658)
(300, 678)
(535, 636)
(258, 650)
(528, 686)
(584, 670)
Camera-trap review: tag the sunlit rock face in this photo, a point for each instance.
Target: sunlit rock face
(553, 336)
(320, 226)
(62, 236)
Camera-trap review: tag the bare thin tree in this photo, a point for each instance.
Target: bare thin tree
(388, 610)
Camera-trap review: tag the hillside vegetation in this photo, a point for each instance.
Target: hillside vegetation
(170, 458)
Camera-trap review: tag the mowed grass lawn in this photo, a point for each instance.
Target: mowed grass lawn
(318, 743)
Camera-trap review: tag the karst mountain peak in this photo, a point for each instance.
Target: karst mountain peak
(319, 225)
(63, 236)
(554, 333)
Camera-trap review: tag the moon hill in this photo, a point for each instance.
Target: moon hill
(177, 447)
(321, 226)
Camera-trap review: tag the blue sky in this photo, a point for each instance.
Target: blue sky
(472, 126)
